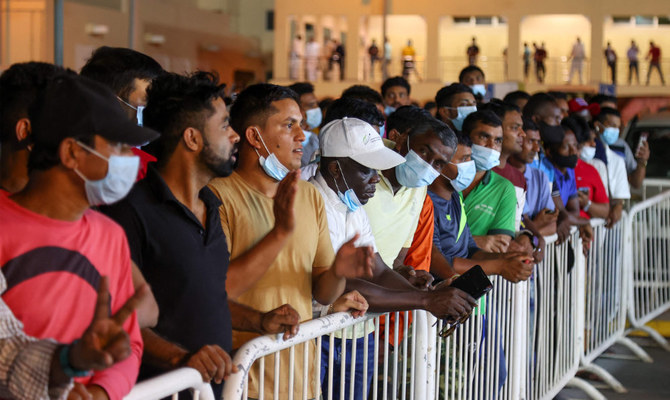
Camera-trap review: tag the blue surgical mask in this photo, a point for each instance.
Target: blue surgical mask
(587, 153)
(388, 110)
(271, 165)
(479, 89)
(415, 172)
(463, 112)
(485, 158)
(466, 174)
(139, 111)
(314, 117)
(308, 134)
(610, 135)
(382, 130)
(349, 197)
(121, 175)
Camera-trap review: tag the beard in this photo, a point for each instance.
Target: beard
(220, 165)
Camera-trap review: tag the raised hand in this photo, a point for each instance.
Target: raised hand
(354, 262)
(282, 319)
(105, 342)
(283, 203)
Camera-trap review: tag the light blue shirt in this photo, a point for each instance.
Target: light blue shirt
(538, 193)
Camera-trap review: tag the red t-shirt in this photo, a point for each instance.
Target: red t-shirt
(655, 53)
(587, 177)
(513, 175)
(145, 159)
(53, 269)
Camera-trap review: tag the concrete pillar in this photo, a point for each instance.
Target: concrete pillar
(352, 47)
(597, 55)
(432, 48)
(282, 45)
(514, 48)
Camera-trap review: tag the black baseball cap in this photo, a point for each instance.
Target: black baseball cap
(76, 106)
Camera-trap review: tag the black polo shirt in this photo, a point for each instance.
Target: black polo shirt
(184, 262)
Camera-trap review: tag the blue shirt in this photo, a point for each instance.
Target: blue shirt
(452, 233)
(538, 193)
(544, 165)
(564, 185)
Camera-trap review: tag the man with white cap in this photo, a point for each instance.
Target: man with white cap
(351, 154)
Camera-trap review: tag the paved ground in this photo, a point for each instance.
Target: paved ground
(643, 381)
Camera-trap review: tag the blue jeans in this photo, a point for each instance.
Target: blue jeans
(337, 363)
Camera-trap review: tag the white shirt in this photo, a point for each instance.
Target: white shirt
(616, 176)
(312, 50)
(342, 223)
(578, 52)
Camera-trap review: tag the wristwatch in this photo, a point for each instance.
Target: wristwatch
(587, 206)
(64, 358)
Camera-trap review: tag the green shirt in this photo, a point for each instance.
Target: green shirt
(491, 206)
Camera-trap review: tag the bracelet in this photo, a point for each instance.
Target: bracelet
(64, 358)
(587, 206)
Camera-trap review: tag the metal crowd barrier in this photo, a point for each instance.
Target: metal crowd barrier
(648, 262)
(170, 384)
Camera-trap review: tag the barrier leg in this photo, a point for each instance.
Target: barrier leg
(635, 349)
(610, 380)
(654, 335)
(587, 388)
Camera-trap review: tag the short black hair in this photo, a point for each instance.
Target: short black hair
(445, 95)
(467, 70)
(558, 95)
(529, 125)
(395, 81)
(354, 108)
(177, 102)
(302, 88)
(463, 140)
(484, 116)
(513, 97)
(605, 111)
(118, 67)
(500, 108)
(362, 92)
(578, 126)
(414, 120)
(253, 105)
(537, 101)
(429, 105)
(20, 86)
(602, 98)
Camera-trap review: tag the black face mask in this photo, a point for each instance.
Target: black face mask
(566, 161)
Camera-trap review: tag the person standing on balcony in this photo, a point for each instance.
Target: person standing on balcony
(540, 57)
(577, 55)
(473, 52)
(611, 58)
(373, 52)
(633, 63)
(408, 60)
(296, 55)
(305, 267)
(654, 57)
(526, 60)
(312, 55)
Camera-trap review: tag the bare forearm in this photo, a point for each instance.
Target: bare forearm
(326, 287)
(636, 177)
(439, 264)
(489, 265)
(599, 210)
(244, 271)
(147, 310)
(245, 318)
(161, 353)
(382, 299)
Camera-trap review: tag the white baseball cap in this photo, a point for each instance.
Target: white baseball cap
(358, 140)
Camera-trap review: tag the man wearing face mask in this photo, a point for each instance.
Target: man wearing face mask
(544, 111)
(78, 160)
(268, 117)
(311, 119)
(473, 76)
(352, 153)
(606, 125)
(452, 235)
(171, 219)
(490, 200)
(128, 73)
(395, 92)
(454, 103)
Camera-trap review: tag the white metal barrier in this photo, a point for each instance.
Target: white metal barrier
(648, 262)
(170, 384)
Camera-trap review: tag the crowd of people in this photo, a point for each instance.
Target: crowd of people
(147, 225)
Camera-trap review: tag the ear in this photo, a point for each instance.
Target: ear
(22, 129)
(251, 135)
(444, 113)
(192, 139)
(334, 169)
(397, 137)
(69, 153)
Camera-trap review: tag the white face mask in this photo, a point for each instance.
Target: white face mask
(121, 175)
(139, 109)
(587, 153)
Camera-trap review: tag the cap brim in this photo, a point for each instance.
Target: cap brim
(127, 132)
(380, 159)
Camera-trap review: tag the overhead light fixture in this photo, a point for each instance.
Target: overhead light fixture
(96, 29)
(154, 39)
